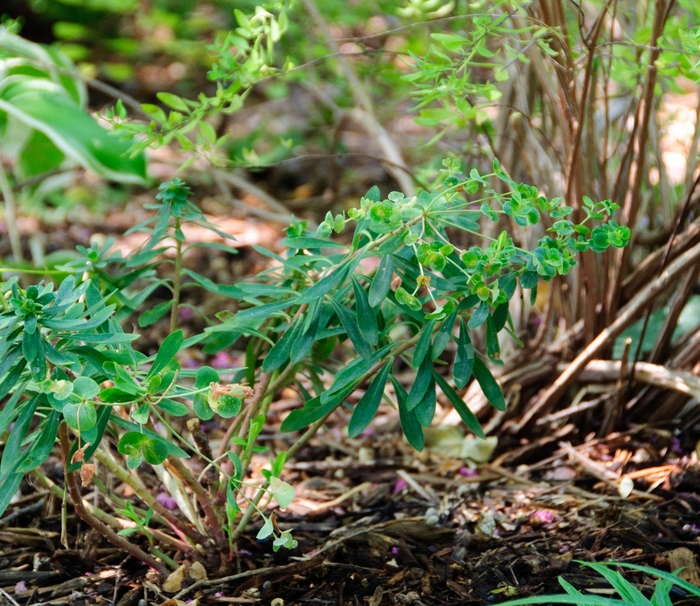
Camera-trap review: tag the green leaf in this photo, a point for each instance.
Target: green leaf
(85, 388)
(381, 284)
(493, 347)
(423, 345)
(420, 384)
(41, 448)
(155, 450)
(488, 385)
(266, 530)
(281, 491)
(11, 453)
(205, 376)
(268, 309)
(314, 410)
(464, 358)
(443, 336)
(176, 409)
(114, 395)
(306, 242)
(8, 489)
(154, 314)
(80, 416)
(479, 316)
(324, 285)
(94, 437)
(369, 403)
(173, 102)
(366, 319)
(305, 341)
(352, 329)
(280, 351)
(425, 409)
(227, 405)
(44, 106)
(201, 407)
(409, 423)
(170, 346)
(462, 410)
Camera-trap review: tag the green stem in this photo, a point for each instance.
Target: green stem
(11, 216)
(176, 279)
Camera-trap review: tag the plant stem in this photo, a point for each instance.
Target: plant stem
(191, 482)
(176, 279)
(91, 520)
(145, 495)
(11, 216)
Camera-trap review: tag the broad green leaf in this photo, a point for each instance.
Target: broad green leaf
(170, 346)
(201, 407)
(44, 106)
(266, 530)
(352, 329)
(176, 409)
(366, 319)
(93, 437)
(488, 385)
(80, 416)
(369, 403)
(226, 405)
(173, 449)
(464, 358)
(205, 376)
(409, 423)
(85, 388)
(173, 102)
(281, 491)
(381, 284)
(155, 450)
(462, 410)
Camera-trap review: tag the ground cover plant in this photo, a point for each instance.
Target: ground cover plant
(482, 274)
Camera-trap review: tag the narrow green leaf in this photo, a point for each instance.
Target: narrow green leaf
(314, 410)
(170, 346)
(369, 403)
(352, 330)
(11, 452)
(260, 311)
(493, 347)
(443, 336)
(154, 314)
(365, 314)
(354, 371)
(463, 411)
(500, 316)
(279, 352)
(305, 341)
(488, 385)
(42, 446)
(423, 345)
(479, 316)
(324, 285)
(464, 358)
(381, 285)
(176, 409)
(409, 423)
(305, 242)
(421, 383)
(8, 489)
(425, 409)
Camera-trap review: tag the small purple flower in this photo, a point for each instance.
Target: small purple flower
(185, 313)
(21, 587)
(244, 552)
(399, 486)
(468, 472)
(395, 551)
(223, 360)
(367, 432)
(166, 501)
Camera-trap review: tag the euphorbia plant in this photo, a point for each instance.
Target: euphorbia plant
(314, 321)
